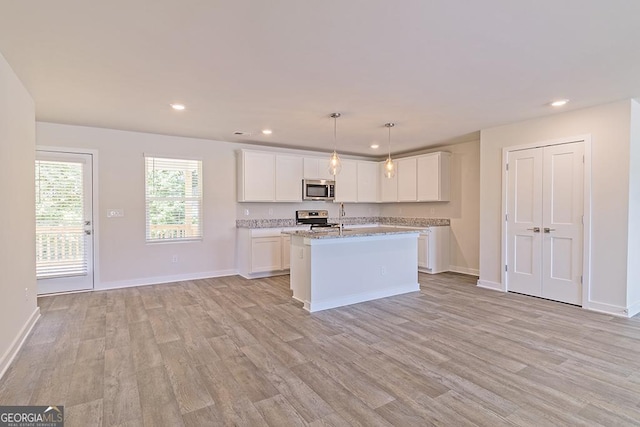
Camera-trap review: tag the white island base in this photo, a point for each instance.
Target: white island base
(329, 271)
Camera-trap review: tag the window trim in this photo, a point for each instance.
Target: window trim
(199, 199)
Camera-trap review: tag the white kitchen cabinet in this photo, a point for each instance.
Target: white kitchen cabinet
(263, 252)
(316, 168)
(407, 179)
(266, 254)
(433, 177)
(367, 181)
(286, 252)
(347, 182)
(256, 176)
(433, 250)
(388, 186)
(288, 178)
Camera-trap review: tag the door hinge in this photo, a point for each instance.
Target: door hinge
(581, 280)
(507, 166)
(506, 267)
(582, 219)
(506, 217)
(583, 158)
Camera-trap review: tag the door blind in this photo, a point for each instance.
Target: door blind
(173, 199)
(60, 237)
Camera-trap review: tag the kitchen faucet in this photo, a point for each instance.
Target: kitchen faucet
(341, 218)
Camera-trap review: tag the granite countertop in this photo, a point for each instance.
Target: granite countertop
(382, 220)
(333, 233)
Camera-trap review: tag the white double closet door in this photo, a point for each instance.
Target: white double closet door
(545, 208)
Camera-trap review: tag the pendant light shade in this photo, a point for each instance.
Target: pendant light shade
(389, 166)
(335, 165)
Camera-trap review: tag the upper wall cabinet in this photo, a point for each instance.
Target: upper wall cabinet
(357, 182)
(367, 182)
(388, 186)
(423, 178)
(269, 177)
(288, 178)
(317, 168)
(256, 176)
(433, 177)
(347, 182)
(407, 179)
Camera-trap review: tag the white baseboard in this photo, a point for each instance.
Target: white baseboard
(163, 279)
(464, 270)
(18, 342)
(487, 284)
(362, 297)
(265, 274)
(614, 310)
(633, 309)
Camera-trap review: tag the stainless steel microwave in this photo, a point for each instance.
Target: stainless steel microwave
(318, 189)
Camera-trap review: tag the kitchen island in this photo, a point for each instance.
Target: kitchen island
(330, 269)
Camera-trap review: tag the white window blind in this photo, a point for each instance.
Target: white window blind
(60, 239)
(173, 199)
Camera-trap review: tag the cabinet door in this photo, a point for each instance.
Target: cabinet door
(388, 186)
(258, 177)
(367, 181)
(266, 254)
(317, 168)
(288, 178)
(429, 178)
(423, 251)
(286, 252)
(347, 182)
(407, 180)
(433, 177)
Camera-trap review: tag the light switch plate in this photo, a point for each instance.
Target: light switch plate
(115, 213)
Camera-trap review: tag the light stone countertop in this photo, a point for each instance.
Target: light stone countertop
(384, 221)
(333, 233)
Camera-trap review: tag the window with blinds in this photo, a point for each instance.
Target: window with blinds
(173, 199)
(60, 238)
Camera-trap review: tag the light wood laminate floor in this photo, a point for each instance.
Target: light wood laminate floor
(230, 351)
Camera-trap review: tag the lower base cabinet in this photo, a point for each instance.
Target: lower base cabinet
(265, 252)
(262, 252)
(433, 250)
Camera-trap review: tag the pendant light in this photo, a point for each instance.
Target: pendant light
(389, 166)
(335, 165)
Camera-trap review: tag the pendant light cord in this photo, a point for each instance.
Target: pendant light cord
(389, 141)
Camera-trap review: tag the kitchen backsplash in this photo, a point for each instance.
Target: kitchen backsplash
(384, 220)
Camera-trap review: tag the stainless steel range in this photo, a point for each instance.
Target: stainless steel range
(316, 218)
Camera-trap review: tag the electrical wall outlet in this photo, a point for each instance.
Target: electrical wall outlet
(115, 213)
(174, 258)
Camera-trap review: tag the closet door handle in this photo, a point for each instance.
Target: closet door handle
(535, 229)
(549, 230)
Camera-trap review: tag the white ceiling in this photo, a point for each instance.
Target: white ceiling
(440, 69)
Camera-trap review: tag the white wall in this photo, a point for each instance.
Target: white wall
(463, 209)
(18, 310)
(124, 258)
(609, 127)
(633, 256)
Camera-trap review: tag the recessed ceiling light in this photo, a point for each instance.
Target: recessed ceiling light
(559, 102)
(267, 131)
(178, 107)
(375, 146)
